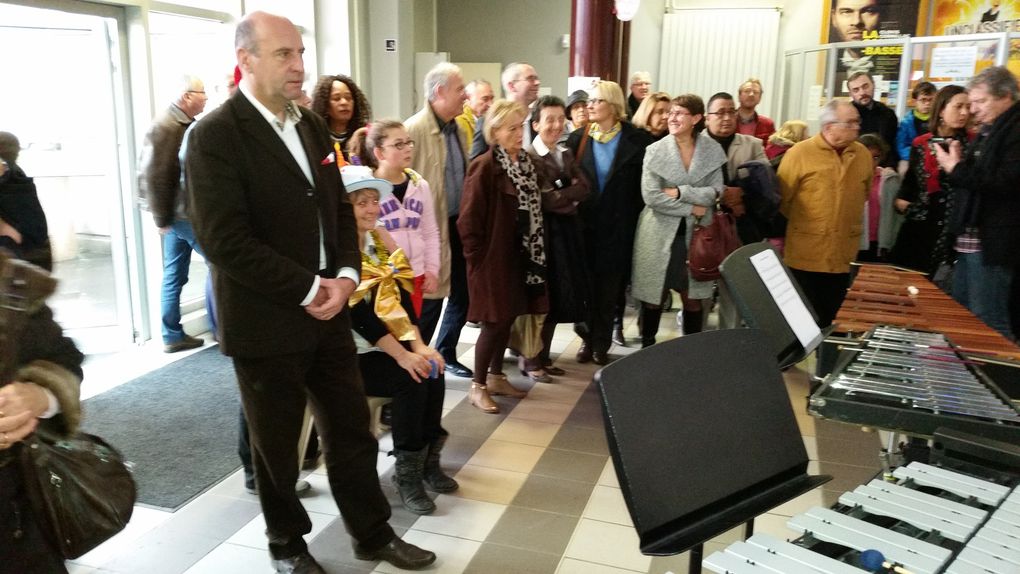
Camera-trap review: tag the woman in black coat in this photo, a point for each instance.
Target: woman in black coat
(610, 153)
(39, 368)
(563, 189)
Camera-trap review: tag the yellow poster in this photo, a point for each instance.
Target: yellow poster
(958, 17)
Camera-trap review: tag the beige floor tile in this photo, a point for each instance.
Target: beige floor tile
(555, 393)
(452, 554)
(142, 521)
(571, 566)
(321, 499)
(507, 455)
(609, 544)
(231, 558)
(608, 477)
(607, 504)
(253, 535)
(452, 399)
(461, 517)
(806, 423)
(489, 484)
(525, 431)
(811, 446)
(554, 413)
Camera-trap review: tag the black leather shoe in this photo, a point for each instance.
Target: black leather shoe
(301, 487)
(584, 353)
(301, 564)
(398, 553)
(458, 370)
(600, 357)
(188, 342)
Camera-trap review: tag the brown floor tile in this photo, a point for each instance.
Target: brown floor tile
(506, 560)
(581, 439)
(571, 465)
(554, 495)
(534, 530)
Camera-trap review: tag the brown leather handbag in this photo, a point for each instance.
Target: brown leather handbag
(710, 244)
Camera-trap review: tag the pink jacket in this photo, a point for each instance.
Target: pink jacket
(413, 225)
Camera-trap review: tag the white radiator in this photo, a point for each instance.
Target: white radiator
(714, 50)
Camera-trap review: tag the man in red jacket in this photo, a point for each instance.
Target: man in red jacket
(750, 122)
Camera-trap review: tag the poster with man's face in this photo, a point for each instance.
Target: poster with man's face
(869, 20)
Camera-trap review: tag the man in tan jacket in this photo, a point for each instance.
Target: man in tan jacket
(824, 183)
(440, 156)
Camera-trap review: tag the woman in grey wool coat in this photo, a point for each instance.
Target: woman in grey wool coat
(680, 183)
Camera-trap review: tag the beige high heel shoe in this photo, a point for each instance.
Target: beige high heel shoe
(479, 397)
(499, 385)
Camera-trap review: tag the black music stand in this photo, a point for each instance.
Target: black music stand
(758, 307)
(703, 437)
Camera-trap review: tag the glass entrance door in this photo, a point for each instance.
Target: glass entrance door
(59, 100)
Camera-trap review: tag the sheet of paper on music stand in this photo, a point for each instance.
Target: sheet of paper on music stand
(778, 283)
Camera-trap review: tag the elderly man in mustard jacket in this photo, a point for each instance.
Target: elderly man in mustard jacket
(824, 185)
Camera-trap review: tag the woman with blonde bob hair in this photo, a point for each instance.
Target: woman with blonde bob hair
(651, 114)
(502, 229)
(610, 153)
(791, 132)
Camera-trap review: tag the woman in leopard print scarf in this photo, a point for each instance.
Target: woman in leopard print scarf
(502, 231)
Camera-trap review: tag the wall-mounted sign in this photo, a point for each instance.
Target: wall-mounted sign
(391, 44)
(953, 61)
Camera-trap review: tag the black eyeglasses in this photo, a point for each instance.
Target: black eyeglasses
(399, 146)
(724, 113)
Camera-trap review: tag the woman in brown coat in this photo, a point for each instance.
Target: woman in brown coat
(501, 228)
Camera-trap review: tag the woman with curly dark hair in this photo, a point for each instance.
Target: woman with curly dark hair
(343, 105)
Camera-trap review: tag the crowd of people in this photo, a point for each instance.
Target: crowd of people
(516, 214)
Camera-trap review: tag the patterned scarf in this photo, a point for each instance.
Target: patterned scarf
(602, 137)
(529, 213)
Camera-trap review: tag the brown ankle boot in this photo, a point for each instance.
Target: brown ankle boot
(498, 385)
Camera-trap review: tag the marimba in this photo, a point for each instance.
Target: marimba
(930, 520)
(881, 294)
(914, 382)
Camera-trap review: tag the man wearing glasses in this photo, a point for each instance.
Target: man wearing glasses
(521, 83)
(721, 121)
(824, 182)
(160, 192)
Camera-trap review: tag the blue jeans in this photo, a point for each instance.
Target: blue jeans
(985, 290)
(177, 245)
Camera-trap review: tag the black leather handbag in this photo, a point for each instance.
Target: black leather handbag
(79, 488)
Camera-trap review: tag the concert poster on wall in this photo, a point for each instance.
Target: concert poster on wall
(957, 17)
(864, 21)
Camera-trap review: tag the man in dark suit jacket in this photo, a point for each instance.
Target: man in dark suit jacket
(270, 210)
(876, 117)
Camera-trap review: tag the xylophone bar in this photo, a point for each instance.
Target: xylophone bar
(985, 492)
(830, 526)
(764, 553)
(954, 510)
(878, 504)
(879, 295)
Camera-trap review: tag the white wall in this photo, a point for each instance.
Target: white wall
(799, 26)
